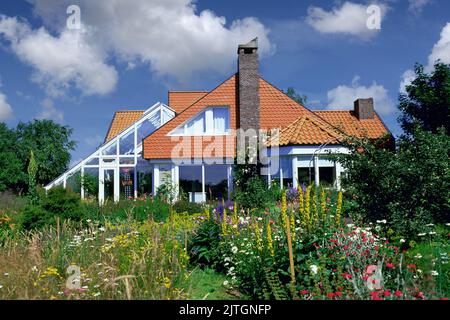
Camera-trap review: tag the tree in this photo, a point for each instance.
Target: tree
(301, 99)
(32, 171)
(51, 145)
(410, 186)
(427, 102)
(11, 173)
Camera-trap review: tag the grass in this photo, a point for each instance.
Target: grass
(206, 284)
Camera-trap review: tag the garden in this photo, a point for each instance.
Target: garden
(384, 236)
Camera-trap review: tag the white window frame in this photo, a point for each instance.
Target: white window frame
(208, 123)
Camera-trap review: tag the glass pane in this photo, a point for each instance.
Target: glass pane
(221, 122)
(216, 182)
(73, 182)
(92, 162)
(146, 128)
(145, 181)
(326, 176)
(303, 176)
(127, 160)
(111, 151)
(90, 183)
(109, 161)
(126, 183)
(165, 174)
(109, 185)
(126, 144)
(197, 125)
(190, 179)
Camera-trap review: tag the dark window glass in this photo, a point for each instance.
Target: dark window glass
(326, 176)
(216, 182)
(190, 179)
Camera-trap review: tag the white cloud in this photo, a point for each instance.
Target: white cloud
(62, 61)
(5, 108)
(407, 78)
(416, 6)
(49, 112)
(440, 51)
(345, 95)
(351, 18)
(170, 36)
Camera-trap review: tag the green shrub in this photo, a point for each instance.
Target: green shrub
(63, 203)
(35, 217)
(203, 245)
(187, 206)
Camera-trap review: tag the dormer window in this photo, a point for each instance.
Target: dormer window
(211, 121)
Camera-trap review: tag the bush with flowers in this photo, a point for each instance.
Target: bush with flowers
(305, 249)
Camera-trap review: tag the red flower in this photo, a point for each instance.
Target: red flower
(412, 266)
(338, 294)
(387, 293)
(304, 292)
(375, 296)
(330, 295)
(271, 221)
(346, 275)
(390, 266)
(346, 248)
(398, 293)
(443, 299)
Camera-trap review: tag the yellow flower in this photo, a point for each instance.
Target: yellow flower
(270, 240)
(308, 207)
(167, 283)
(224, 222)
(339, 209)
(259, 245)
(292, 221)
(283, 207)
(323, 204)
(301, 203)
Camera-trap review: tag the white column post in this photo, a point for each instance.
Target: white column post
(82, 182)
(338, 168)
(294, 172)
(281, 176)
(316, 171)
(135, 182)
(101, 185)
(65, 181)
(203, 183)
(155, 178)
(230, 180)
(117, 184)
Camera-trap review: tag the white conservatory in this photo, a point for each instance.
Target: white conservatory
(117, 170)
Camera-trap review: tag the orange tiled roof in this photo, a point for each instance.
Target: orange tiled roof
(347, 121)
(180, 100)
(277, 110)
(306, 130)
(159, 145)
(121, 121)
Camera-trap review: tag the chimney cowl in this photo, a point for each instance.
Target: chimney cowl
(364, 109)
(250, 47)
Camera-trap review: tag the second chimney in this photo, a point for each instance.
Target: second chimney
(364, 109)
(248, 77)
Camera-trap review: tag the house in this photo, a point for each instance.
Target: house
(193, 142)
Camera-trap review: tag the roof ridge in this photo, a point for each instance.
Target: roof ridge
(324, 127)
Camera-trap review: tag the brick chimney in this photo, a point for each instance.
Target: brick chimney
(248, 77)
(364, 109)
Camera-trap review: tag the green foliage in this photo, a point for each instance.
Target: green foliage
(32, 171)
(51, 145)
(204, 243)
(301, 99)
(11, 173)
(186, 206)
(427, 101)
(59, 202)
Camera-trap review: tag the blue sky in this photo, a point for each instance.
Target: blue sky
(128, 54)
